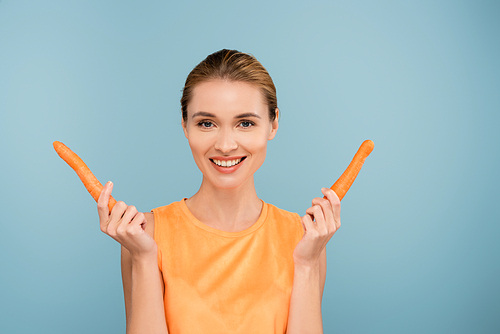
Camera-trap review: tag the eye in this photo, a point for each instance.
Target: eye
(205, 124)
(246, 124)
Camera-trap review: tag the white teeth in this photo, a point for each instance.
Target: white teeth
(226, 163)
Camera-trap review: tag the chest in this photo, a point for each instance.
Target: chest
(227, 284)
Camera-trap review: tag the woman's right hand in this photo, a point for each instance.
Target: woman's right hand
(125, 225)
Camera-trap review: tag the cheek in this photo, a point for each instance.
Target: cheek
(198, 145)
(255, 145)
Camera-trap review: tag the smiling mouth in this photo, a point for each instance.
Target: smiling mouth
(227, 163)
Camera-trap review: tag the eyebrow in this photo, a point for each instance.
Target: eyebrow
(202, 113)
(207, 114)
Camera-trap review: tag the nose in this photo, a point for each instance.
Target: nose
(225, 141)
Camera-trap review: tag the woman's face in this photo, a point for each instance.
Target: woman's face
(228, 127)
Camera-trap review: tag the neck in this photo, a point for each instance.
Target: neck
(229, 210)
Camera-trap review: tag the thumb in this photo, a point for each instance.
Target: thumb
(104, 200)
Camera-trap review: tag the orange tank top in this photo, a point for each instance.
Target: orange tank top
(226, 282)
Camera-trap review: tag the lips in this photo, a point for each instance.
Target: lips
(227, 165)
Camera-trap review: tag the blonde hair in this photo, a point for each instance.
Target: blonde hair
(231, 65)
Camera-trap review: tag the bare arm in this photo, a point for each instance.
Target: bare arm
(143, 280)
(320, 223)
(322, 271)
(142, 283)
(305, 303)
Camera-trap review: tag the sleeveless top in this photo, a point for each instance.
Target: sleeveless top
(226, 282)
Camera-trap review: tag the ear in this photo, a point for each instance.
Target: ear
(184, 128)
(274, 125)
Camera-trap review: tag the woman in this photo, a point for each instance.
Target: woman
(223, 261)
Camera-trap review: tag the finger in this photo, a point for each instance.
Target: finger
(335, 203)
(115, 218)
(310, 212)
(129, 214)
(316, 208)
(307, 222)
(139, 222)
(103, 200)
(125, 224)
(319, 217)
(326, 206)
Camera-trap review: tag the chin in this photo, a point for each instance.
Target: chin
(228, 182)
(227, 185)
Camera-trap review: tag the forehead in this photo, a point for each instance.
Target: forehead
(227, 98)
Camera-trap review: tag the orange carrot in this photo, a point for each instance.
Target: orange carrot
(94, 187)
(342, 185)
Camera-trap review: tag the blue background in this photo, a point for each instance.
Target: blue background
(418, 248)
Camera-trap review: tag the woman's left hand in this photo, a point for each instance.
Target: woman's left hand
(320, 223)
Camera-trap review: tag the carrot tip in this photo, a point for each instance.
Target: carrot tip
(342, 185)
(369, 145)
